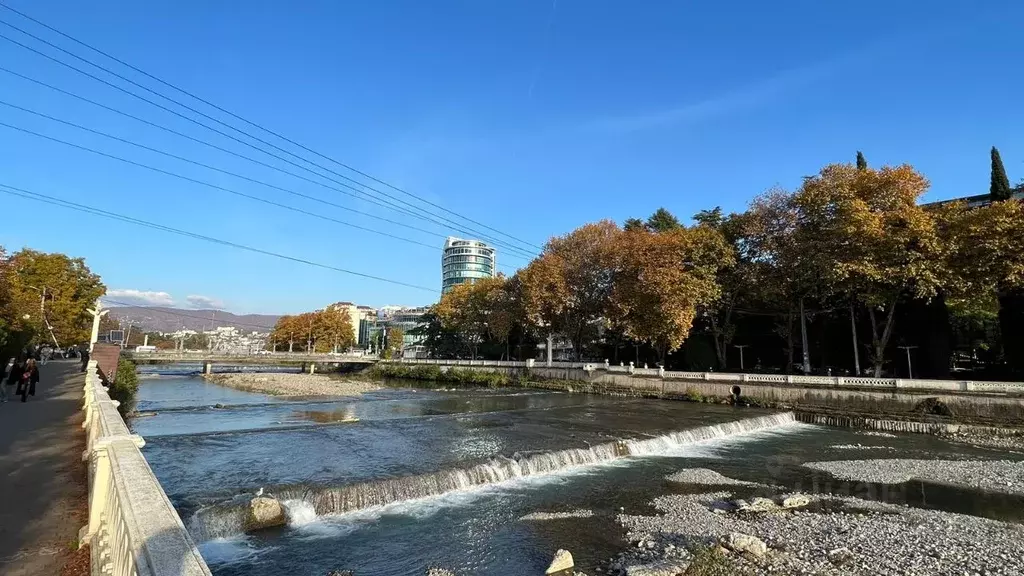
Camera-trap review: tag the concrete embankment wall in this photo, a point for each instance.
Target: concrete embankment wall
(999, 409)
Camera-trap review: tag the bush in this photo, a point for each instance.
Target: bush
(125, 386)
(432, 372)
(693, 395)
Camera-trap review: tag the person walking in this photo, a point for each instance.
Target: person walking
(5, 381)
(29, 378)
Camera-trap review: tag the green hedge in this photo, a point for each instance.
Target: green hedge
(431, 372)
(125, 386)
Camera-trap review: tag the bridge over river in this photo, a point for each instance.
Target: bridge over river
(308, 362)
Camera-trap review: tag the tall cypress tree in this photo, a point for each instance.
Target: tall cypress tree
(999, 189)
(861, 162)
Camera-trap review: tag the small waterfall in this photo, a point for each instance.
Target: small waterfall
(301, 502)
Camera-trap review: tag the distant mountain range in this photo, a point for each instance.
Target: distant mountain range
(166, 319)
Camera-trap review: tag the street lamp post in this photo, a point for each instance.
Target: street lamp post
(910, 369)
(741, 347)
(97, 312)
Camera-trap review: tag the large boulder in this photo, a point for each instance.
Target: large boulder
(796, 501)
(264, 513)
(561, 564)
(741, 543)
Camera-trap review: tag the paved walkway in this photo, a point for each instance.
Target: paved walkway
(43, 491)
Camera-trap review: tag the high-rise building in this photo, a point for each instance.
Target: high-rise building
(466, 261)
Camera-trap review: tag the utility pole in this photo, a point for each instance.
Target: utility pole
(741, 347)
(910, 369)
(128, 334)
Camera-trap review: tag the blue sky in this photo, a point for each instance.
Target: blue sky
(532, 117)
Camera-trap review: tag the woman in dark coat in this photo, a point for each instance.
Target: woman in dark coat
(29, 377)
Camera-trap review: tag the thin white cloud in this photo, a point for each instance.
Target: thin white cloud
(138, 297)
(749, 96)
(197, 301)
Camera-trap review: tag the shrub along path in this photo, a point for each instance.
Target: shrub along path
(43, 493)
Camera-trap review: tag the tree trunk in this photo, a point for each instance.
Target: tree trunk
(722, 338)
(880, 341)
(803, 339)
(856, 352)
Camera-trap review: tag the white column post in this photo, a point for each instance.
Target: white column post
(97, 312)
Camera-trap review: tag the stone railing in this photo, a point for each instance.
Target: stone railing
(133, 529)
(592, 368)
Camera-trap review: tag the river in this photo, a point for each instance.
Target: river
(406, 477)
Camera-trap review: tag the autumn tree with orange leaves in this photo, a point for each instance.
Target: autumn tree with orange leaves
(661, 280)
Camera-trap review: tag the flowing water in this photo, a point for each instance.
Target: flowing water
(404, 478)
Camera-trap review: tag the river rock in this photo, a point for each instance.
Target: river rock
(738, 542)
(841, 556)
(757, 505)
(796, 501)
(561, 564)
(439, 572)
(264, 513)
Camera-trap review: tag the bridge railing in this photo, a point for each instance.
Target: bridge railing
(201, 354)
(740, 378)
(133, 529)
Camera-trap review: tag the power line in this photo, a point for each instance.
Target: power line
(167, 310)
(255, 125)
(218, 121)
(361, 195)
(181, 134)
(216, 186)
(237, 193)
(183, 159)
(15, 191)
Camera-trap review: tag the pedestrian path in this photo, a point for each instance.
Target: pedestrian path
(43, 490)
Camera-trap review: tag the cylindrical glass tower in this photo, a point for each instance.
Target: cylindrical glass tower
(466, 261)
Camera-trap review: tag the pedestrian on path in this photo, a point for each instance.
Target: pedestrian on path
(29, 378)
(5, 382)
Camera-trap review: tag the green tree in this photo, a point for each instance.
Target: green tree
(55, 292)
(999, 188)
(633, 224)
(440, 342)
(662, 221)
(861, 162)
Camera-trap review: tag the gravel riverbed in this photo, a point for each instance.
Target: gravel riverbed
(705, 477)
(292, 384)
(998, 475)
(833, 536)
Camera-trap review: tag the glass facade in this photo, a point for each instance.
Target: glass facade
(466, 261)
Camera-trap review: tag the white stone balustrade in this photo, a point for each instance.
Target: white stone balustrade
(133, 529)
(769, 379)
